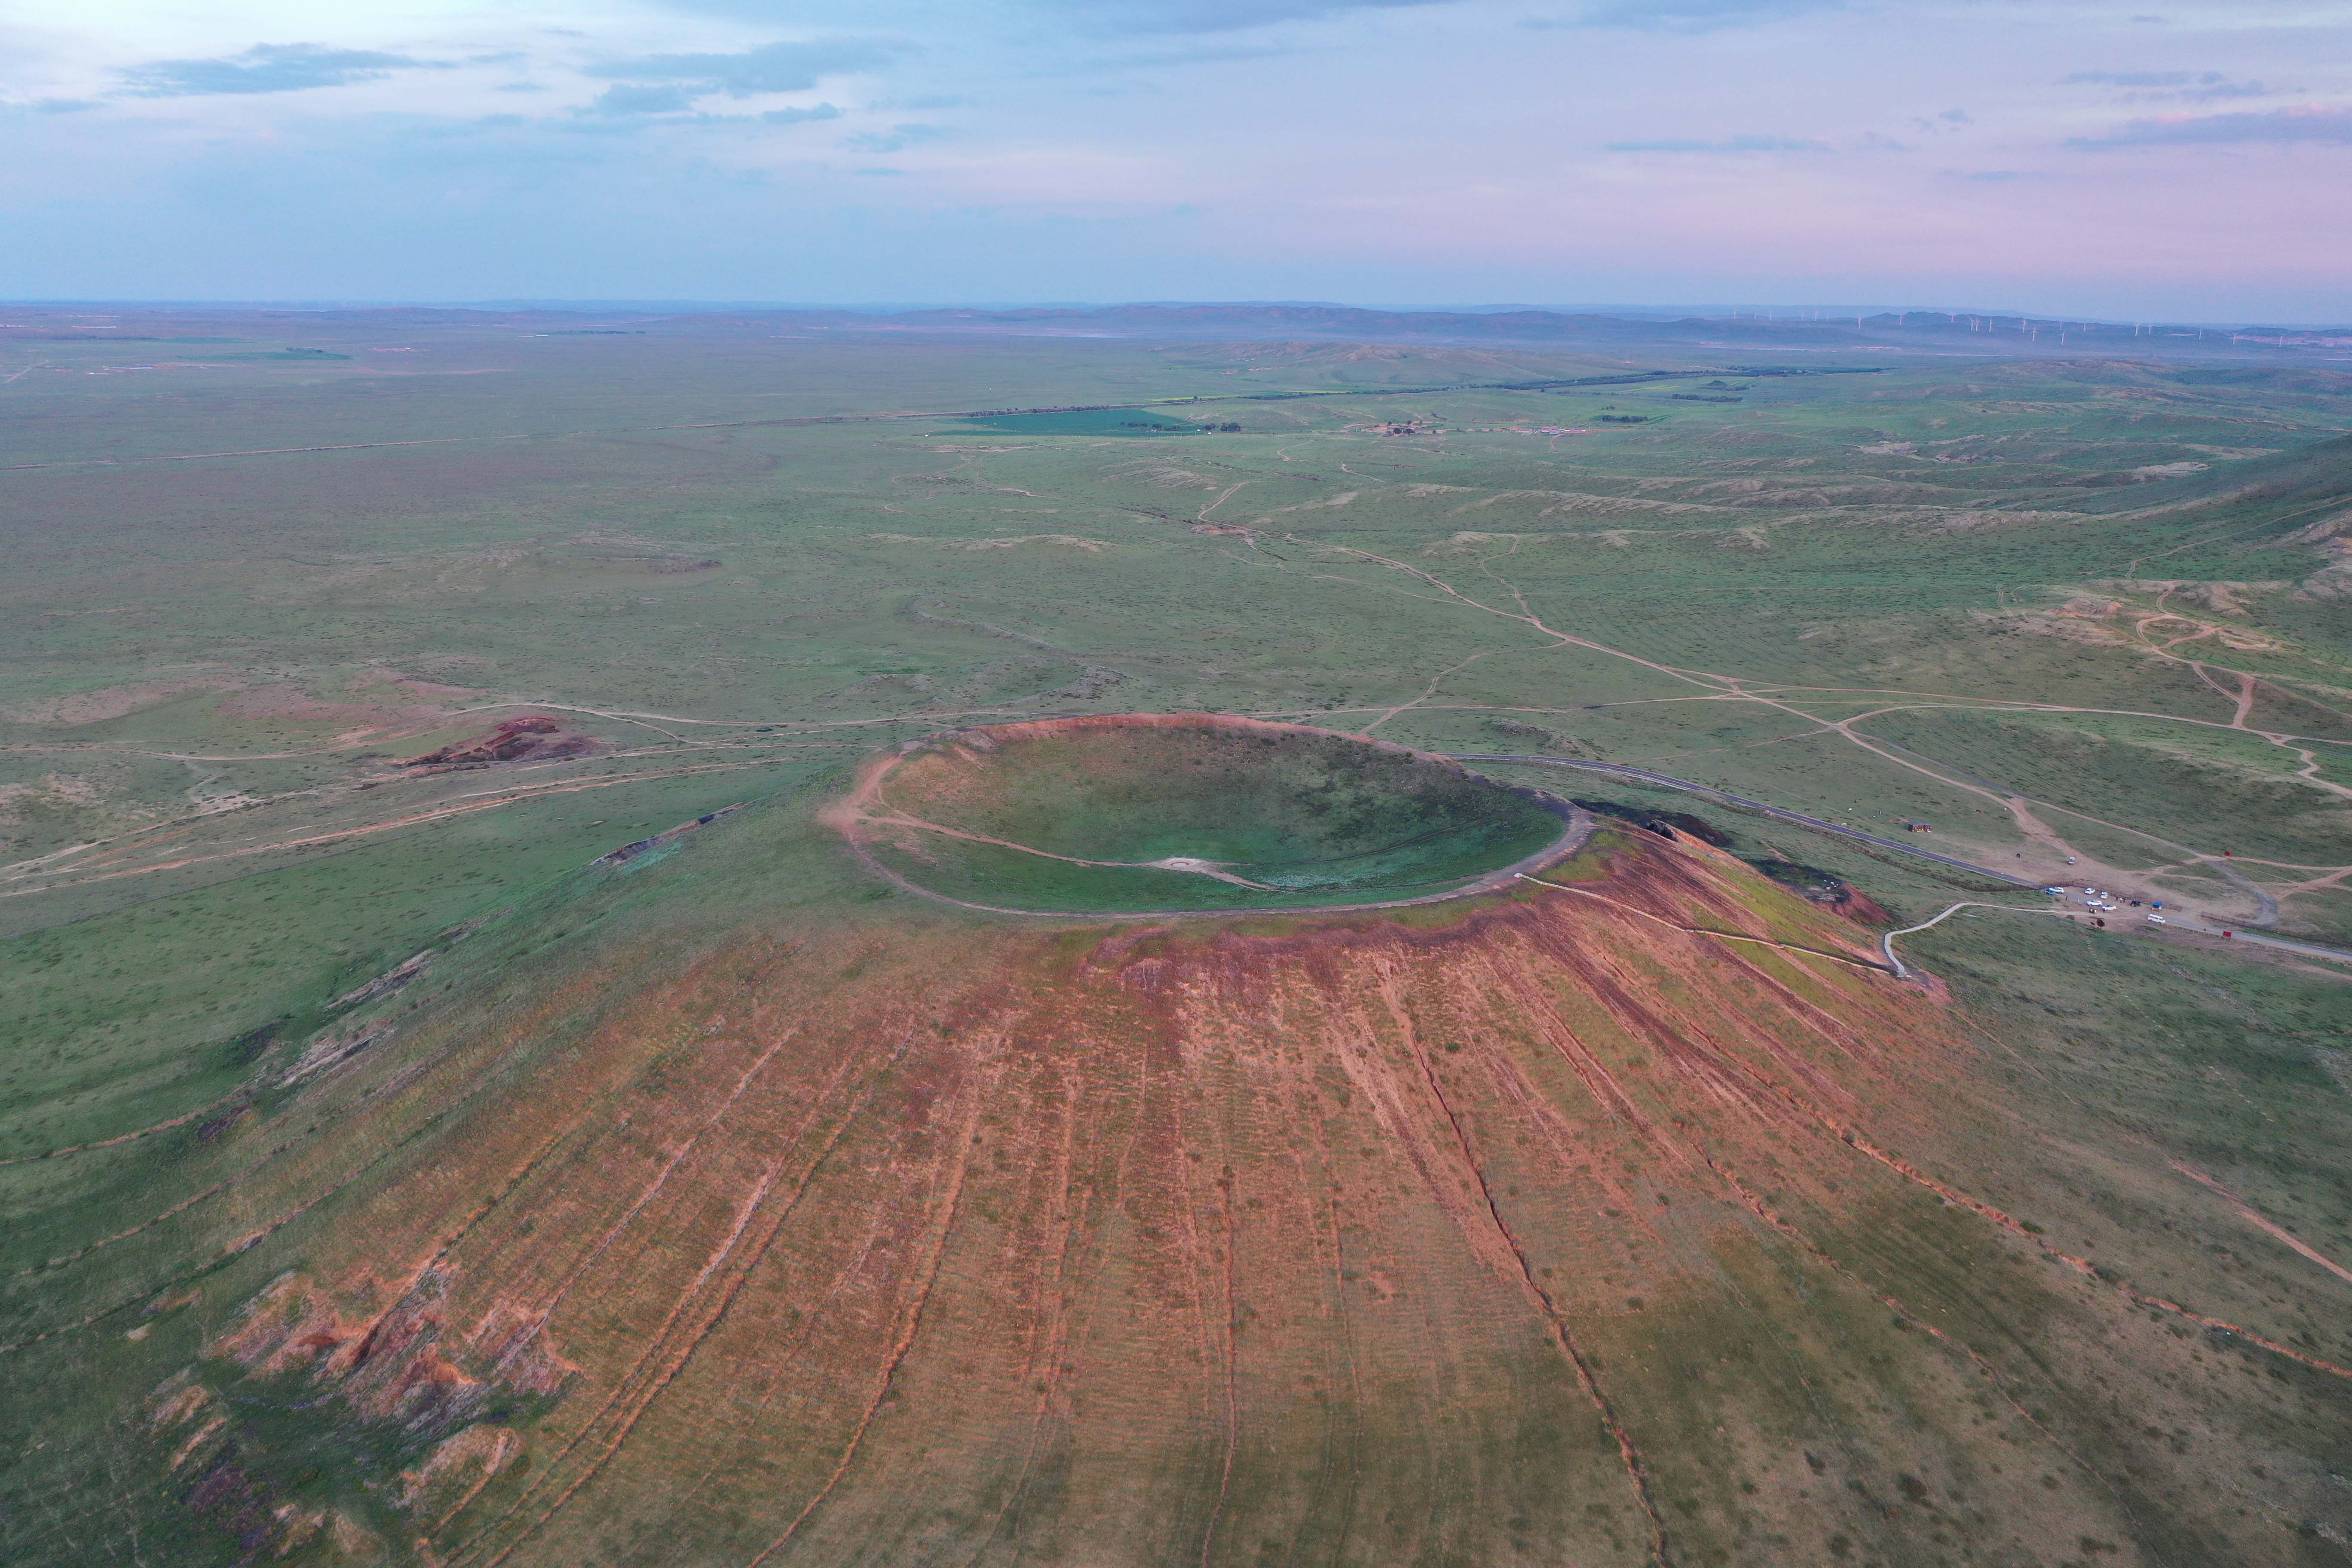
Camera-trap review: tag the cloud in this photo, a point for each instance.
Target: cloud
(1201, 54)
(2208, 94)
(1686, 15)
(1734, 144)
(2280, 125)
(1112, 18)
(2180, 87)
(2138, 79)
(895, 139)
(1214, 16)
(653, 99)
(674, 101)
(771, 67)
(268, 68)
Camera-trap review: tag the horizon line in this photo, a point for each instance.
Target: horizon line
(1796, 314)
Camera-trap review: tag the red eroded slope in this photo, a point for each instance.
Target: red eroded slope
(1539, 1228)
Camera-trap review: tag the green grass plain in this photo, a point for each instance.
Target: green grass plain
(2094, 607)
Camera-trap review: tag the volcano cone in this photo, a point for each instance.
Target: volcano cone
(731, 1206)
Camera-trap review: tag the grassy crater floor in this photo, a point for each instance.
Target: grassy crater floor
(1151, 813)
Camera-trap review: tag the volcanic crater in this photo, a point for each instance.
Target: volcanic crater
(1166, 813)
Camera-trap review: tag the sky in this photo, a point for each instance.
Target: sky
(2143, 159)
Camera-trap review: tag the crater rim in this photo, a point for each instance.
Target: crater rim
(885, 837)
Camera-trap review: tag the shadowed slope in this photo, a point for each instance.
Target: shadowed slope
(1535, 1229)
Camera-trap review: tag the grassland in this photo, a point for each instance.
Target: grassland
(2086, 609)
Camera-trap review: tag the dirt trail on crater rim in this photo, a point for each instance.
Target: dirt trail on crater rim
(1369, 803)
(1535, 1226)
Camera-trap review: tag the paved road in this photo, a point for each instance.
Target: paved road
(2174, 922)
(1667, 781)
(2239, 933)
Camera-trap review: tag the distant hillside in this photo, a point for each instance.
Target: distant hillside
(1972, 333)
(1941, 333)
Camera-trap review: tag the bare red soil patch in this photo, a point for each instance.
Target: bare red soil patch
(534, 736)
